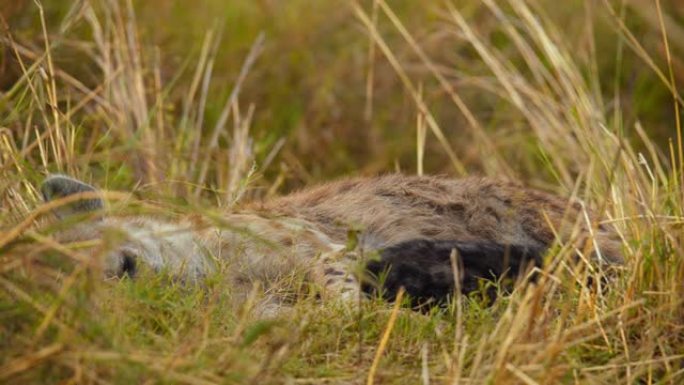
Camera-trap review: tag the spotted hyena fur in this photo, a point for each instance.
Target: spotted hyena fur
(416, 226)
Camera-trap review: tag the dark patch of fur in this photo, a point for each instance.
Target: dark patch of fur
(129, 267)
(423, 267)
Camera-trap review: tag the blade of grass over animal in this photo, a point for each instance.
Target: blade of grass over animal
(460, 338)
(410, 88)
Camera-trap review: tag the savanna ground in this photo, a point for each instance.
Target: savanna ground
(196, 106)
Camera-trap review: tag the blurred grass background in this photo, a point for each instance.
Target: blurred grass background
(309, 86)
(203, 104)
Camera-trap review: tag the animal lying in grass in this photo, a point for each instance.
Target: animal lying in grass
(415, 232)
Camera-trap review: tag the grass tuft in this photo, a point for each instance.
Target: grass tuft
(195, 109)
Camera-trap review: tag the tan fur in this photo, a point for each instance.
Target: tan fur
(396, 208)
(306, 231)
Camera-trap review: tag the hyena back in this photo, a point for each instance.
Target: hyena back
(417, 226)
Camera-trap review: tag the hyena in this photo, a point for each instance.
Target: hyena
(427, 234)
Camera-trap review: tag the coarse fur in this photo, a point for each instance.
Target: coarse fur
(396, 208)
(413, 223)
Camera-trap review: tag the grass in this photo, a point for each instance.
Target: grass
(195, 115)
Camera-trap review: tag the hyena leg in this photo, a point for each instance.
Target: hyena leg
(334, 274)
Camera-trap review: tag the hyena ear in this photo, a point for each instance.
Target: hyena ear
(58, 186)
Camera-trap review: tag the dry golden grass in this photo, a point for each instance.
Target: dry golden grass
(498, 86)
